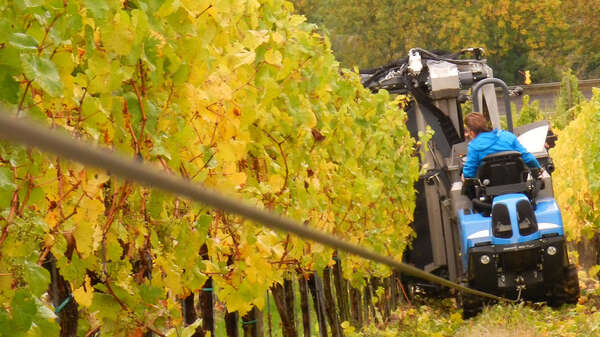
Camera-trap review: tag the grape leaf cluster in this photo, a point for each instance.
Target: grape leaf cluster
(244, 97)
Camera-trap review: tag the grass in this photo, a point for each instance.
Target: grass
(442, 318)
(521, 320)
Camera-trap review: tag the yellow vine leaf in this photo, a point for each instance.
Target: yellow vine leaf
(274, 57)
(87, 235)
(238, 178)
(276, 181)
(84, 294)
(52, 218)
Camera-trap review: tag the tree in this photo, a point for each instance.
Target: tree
(375, 32)
(583, 55)
(517, 35)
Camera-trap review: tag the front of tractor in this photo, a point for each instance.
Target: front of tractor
(512, 238)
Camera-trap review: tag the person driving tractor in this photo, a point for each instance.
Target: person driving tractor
(486, 141)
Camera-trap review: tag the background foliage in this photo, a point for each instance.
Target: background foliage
(241, 96)
(545, 37)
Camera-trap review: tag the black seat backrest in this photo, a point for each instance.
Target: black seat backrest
(502, 168)
(526, 218)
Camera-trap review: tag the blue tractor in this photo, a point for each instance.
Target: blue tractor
(502, 232)
(512, 236)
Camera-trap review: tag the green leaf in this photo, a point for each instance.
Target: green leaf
(181, 75)
(5, 30)
(133, 106)
(97, 8)
(94, 112)
(74, 270)
(117, 34)
(105, 306)
(152, 113)
(43, 72)
(24, 309)
(10, 87)
(160, 151)
(151, 294)
(114, 251)
(155, 205)
(46, 324)
(36, 196)
(6, 180)
(234, 300)
(65, 27)
(37, 277)
(89, 40)
(11, 58)
(18, 156)
(168, 7)
(203, 224)
(187, 241)
(5, 324)
(193, 277)
(23, 41)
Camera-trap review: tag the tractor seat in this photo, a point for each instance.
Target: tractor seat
(503, 173)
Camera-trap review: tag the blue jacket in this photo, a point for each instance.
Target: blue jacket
(492, 142)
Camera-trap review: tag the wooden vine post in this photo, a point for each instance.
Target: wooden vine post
(253, 323)
(288, 326)
(304, 305)
(356, 303)
(316, 289)
(231, 324)
(290, 300)
(341, 290)
(332, 315)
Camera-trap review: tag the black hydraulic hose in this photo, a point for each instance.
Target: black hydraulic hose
(480, 84)
(25, 132)
(375, 76)
(431, 55)
(388, 66)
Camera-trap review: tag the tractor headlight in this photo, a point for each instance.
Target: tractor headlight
(551, 250)
(484, 259)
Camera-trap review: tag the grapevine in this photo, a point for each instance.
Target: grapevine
(577, 181)
(243, 97)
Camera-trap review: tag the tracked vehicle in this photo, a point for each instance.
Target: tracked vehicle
(500, 233)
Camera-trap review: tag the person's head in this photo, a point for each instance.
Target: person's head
(475, 124)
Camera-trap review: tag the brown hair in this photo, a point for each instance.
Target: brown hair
(476, 123)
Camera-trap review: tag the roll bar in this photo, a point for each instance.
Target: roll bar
(480, 84)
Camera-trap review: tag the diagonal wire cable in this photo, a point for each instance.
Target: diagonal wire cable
(25, 132)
